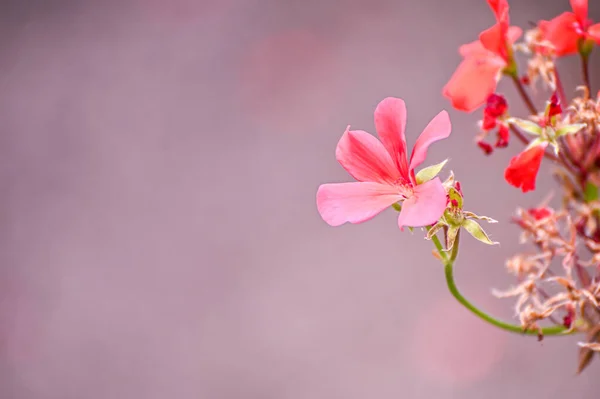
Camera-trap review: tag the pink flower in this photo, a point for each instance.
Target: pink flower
(569, 29)
(384, 174)
(484, 60)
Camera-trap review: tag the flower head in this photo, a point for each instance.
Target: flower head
(495, 114)
(523, 168)
(385, 175)
(484, 60)
(571, 32)
(456, 218)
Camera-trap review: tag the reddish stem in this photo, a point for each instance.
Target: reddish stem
(524, 95)
(585, 71)
(560, 88)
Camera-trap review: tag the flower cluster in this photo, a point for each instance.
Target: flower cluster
(558, 282)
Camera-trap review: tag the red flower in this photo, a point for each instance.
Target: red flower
(554, 107)
(483, 62)
(523, 168)
(540, 213)
(493, 117)
(487, 148)
(503, 135)
(569, 29)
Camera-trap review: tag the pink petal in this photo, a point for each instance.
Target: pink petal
(354, 202)
(390, 122)
(499, 7)
(425, 207)
(594, 32)
(365, 158)
(473, 49)
(513, 34)
(494, 39)
(580, 8)
(472, 82)
(561, 33)
(497, 38)
(439, 128)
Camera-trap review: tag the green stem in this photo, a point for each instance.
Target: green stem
(448, 269)
(449, 272)
(454, 253)
(439, 247)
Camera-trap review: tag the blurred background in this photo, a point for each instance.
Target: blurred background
(159, 233)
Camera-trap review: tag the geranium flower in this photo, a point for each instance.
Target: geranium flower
(523, 168)
(384, 174)
(571, 29)
(494, 116)
(484, 60)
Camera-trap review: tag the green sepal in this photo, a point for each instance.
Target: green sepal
(526, 126)
(570, 129)
(428, 173)
(477, 232)
(471, 215)
(591, 192)
(451, 237)
(433, 231)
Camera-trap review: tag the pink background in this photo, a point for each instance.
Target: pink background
(159, 232)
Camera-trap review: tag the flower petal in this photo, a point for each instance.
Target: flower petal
(439, 128)
(390, 122)
(499, 7)
(472, 82)
(425, 207)
(473, 49)
(594, 32)
(523, 168)
(513, 34)
(365, 158)
(580, 9)
(497, 38)
(561, 32)
(494, 39)
(354, 202)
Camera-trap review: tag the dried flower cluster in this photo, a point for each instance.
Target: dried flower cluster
(558, 281)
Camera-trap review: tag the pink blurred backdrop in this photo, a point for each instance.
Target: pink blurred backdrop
(159, 231)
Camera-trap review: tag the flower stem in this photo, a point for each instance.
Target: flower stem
(560, 88)
(449, 272)
(585, 71)
(524, 95)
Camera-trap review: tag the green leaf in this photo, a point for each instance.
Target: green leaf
(570, 129)
(477, 232)
(526, 126)
(428, 173)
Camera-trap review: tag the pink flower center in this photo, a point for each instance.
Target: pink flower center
(582, 26)
(404, 188)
